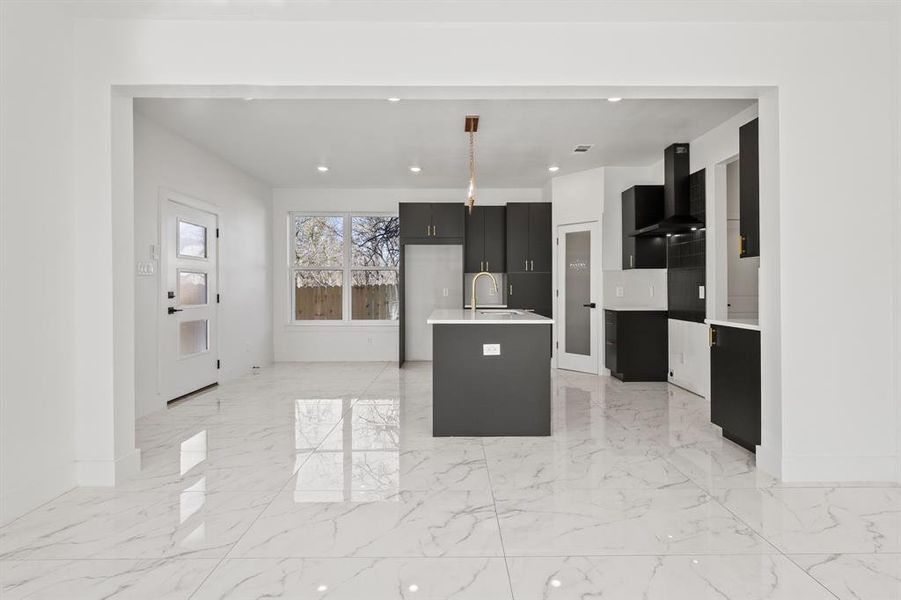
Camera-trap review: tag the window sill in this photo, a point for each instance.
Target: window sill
(331, 325)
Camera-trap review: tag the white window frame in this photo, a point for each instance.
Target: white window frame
(347, 269)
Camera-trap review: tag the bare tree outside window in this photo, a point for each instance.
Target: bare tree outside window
(376, 245)
(320, 267)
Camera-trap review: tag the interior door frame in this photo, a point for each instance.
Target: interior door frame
(592, 364)
(165, 195)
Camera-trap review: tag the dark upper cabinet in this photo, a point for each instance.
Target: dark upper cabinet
(447, 220)
(749, 189)
(528, 237)
(642, 205)
(484, 246)
(415, 220)
(735, 384)
(530, 291)
(495, 238)
(636, 344)
(431, 222)
(540, 237)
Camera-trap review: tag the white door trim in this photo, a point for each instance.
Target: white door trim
(164, 195)
(584, 363)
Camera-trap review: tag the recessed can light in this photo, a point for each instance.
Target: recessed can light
(415, 169)
(413, 587)
(322, 588)
(553, 169)
(322, 169)
(393, 99)
(556, 583)
(613, 99)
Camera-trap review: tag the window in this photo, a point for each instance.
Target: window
(345, 267)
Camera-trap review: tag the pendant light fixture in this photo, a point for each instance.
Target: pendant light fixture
(471, 127)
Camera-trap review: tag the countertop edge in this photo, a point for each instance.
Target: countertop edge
(735, 324)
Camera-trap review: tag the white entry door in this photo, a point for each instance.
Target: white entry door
(188, 353)
(577, 309)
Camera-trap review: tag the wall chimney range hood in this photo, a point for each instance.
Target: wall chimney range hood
(676, 196)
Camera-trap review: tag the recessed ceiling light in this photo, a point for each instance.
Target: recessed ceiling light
(415, 169)
(413, 587)
(322, 168)
(393, 99)
(553, 169)
(613, 99)
(556, 583)
(322, 588)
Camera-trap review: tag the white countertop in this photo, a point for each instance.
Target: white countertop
(630, 308)
(737, 323)
(483, 316)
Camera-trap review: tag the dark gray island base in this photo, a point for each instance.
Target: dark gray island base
(477, 393)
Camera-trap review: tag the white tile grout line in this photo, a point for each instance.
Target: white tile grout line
(282, 489)
(497, 519)
(778, 550)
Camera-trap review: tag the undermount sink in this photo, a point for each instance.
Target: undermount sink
(499, 311)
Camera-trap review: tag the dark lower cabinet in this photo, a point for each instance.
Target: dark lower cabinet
(735, 384)
(530, 291)
(636, 344)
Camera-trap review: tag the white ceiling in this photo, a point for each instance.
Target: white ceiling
(372, 143)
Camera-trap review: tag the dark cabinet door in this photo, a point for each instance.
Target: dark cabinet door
(495, 238)
(517, 237)
(735, 384)
(474, 242)
(415, 220)
(540, 237)
(530, 291)
(749, 189)
(447, 220)
(610, 340)
(628, 228)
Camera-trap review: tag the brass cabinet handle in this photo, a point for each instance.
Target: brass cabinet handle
(434, 230)
(511, 289)
(531, 265)
(711, 336)
(525, 265)
(631, 261)
(741, 244)
(486, 265)
(428, 230)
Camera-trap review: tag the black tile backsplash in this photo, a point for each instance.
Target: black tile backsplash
(687, 262)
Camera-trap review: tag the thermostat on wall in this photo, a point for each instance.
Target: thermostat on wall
(491, 349)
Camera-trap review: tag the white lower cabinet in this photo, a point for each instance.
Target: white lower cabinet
(689, 356)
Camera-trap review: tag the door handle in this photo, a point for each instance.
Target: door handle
(590, 305)
(172, 310)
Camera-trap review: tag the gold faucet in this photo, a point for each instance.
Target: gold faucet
(472, 300)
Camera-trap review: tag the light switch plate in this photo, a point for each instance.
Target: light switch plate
(701, 292)
(491, 349)
(145, 268)
(619, 291)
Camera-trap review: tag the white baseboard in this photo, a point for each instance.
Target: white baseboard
(105, 473)
(769, 461)
(44, 487)
(839, 468)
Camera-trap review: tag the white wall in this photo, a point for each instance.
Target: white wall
(348, 341)
(163, 159)
(37, 233)
(788, 64)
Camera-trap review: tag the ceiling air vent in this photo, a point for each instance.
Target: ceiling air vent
(582, 148)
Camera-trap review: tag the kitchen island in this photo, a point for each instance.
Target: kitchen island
(491, 373)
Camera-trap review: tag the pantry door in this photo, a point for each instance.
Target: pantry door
(577, 310)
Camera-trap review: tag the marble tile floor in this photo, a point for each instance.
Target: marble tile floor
(323, 481)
